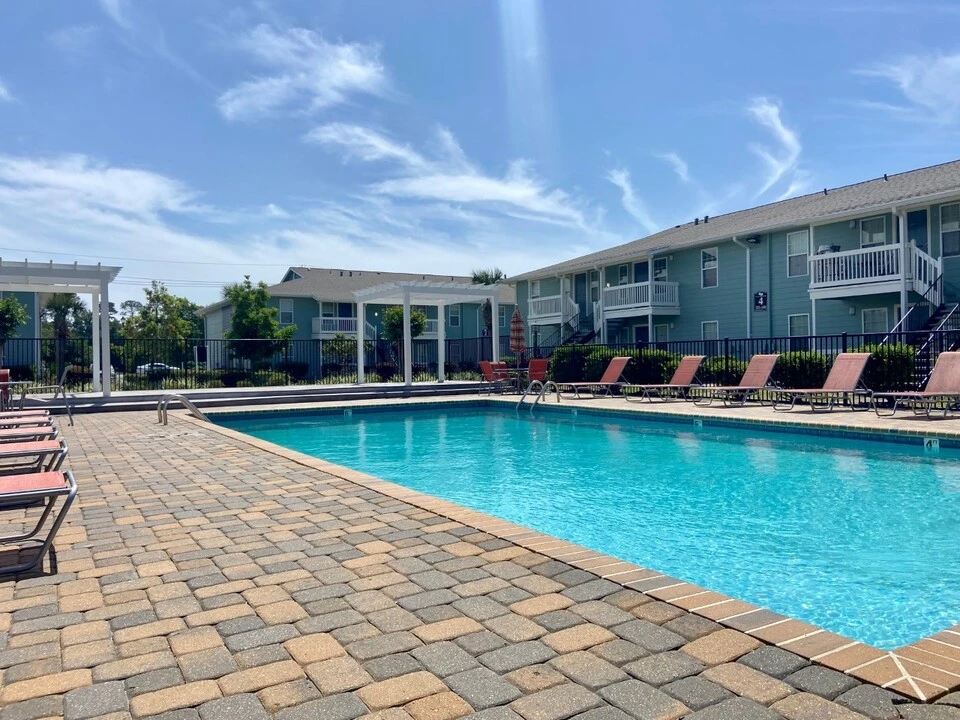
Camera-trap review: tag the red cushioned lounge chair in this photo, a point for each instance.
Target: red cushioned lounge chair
(612, 378)
(18, 491)
(26, 434)
(844, 381)
(754, 380)
(683, 380)
(35, 456)
(941, 393)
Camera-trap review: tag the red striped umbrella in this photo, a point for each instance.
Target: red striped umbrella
(518, 334)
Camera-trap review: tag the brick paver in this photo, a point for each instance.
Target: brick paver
(200, 576)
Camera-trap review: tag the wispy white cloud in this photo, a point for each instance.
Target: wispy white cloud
(118, 11)
(632, 203)
(74, 40)
(365, 144)
(678, 164)
(5, 94)
(921, 79)
(781, 160)
(303, 74)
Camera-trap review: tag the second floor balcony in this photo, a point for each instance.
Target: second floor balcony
(871, 270)
(657, 296)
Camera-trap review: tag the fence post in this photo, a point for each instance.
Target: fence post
(843, 341)
(726, 361)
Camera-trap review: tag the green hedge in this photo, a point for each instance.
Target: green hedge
(567, 363)
(801, 369)
(891, 368)
(722, 370)
(646, 367)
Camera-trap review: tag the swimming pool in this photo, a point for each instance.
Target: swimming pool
(861, 538)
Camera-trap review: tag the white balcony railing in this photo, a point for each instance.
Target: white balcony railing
(334, 325)
(644, 294)
(855, 267)
(545, 306)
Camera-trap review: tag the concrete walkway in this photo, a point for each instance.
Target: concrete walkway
(202, 575)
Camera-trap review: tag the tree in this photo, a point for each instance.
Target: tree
(393, 323)
(253, 320)
(162, 315)
(489, 276)
(61, 311)
(129, 308)
(13, 314)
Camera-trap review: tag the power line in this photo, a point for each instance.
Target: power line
(150, 260)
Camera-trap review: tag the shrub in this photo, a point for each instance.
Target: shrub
(233, 378)
(245, 384)
(22, 372)
(567, 363)
(296, 370)
(646, 367)
(891, 368)
(722, 370)
(801, 369)
(464, 375)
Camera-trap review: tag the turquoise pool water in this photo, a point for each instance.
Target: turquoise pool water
(858, 537)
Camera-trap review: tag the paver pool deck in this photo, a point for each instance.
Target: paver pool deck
(206, 574)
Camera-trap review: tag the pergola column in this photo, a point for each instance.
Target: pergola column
(95, 367)
(441, 344)
(407, 343)
(105, 336)
(360, 354)
(495, 327)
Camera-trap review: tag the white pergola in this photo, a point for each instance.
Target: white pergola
(51, 277)
(422, 292)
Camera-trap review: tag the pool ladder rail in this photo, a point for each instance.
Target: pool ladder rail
(167, 399)
(541, 389)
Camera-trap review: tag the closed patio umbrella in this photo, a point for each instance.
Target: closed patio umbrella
(518, 334)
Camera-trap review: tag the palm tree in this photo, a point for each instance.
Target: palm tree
(487, 276)
(61, 310)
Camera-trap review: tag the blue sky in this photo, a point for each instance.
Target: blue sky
(203, 139)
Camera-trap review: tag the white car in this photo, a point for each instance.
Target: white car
(157, 367)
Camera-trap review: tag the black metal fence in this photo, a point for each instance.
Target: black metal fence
(174, 364)
(903, 360)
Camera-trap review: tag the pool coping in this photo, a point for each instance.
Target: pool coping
(923, 670)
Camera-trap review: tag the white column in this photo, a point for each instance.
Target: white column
(361, 316)
(813, 317)
(441, 343)
(105, 335)
(407, 343)
(95, 367)
(906, 260)
(495, 327)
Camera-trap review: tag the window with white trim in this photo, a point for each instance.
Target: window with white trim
(798, 325)
(453, 316)
(950, 230)
(873, 231)
(661, 333)
(502, 315)
(798, 252)
(534, 288)
(875, 320)
(660, 269)
(710, 330)
(624, 274)
(286, 311)
(708, 268)
(453, 353)
(328, 309)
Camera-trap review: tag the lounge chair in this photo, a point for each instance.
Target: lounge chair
(19, 491)
(24, 421)
(34, 456)
(537, 370)
(755, 379)
(58, 389)
(30, 412)
(26, 434)
(612, 377)
(941, 393)
(843, 381)
(684, 378)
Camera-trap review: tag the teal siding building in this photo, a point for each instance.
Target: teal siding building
(320, 303)
(852, 260)
(22, 350)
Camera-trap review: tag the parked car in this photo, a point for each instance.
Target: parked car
(156, 367)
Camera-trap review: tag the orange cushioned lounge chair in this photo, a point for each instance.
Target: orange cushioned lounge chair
(844, 381)
(684, 378)
(612, 378)
(941, 393)
(754, 380)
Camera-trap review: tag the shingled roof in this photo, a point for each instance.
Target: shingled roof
(337, 285)
(879, 194)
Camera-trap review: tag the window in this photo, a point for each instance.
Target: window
(534, 288)
(873, 231)
(328, 309)
(286, 311)
(798, 325)
(624, 271)
(708, 268)
(594, 286)
(950, 230)
(710, 330)
(502, 315)
(798, 248)
(661, 333)
(454, 318)
(660, 269)
(875, 321)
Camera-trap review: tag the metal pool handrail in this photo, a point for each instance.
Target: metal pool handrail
(165, 401)
(544, 389)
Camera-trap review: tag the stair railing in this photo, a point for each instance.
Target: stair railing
(167, 399)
